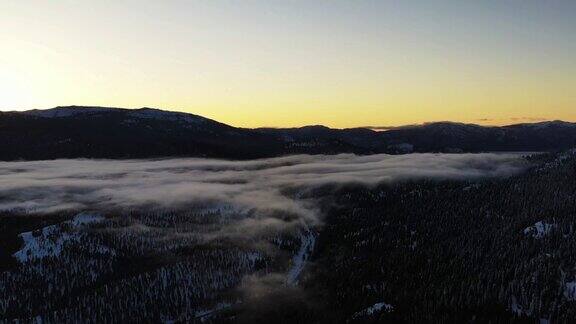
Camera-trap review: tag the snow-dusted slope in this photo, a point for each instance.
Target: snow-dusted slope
(63, 112)
(51, 240)
(149, 113)
(142, 113)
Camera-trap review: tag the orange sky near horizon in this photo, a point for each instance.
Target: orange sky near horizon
(293, 63)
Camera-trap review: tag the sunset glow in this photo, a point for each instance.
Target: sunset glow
(293, 63)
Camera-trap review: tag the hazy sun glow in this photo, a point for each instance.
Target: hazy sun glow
(290, 63)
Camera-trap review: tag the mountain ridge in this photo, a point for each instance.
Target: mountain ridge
(108, 132)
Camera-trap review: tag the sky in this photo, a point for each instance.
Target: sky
(292, 63)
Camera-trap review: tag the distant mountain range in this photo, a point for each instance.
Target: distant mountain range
(98, 132)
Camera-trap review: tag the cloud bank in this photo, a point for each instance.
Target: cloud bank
(260, 185)
(253, 201)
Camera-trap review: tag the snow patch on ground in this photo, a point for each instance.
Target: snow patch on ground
(376, 308)
(84, 219)
(570, 290)
(516, 309)
(50, 240)
(539, 230)
(307, 242)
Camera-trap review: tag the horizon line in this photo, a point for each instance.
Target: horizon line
(475, 122)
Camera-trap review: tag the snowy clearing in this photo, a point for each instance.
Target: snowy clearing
(539, 230)
(307, 241)
(50, 240)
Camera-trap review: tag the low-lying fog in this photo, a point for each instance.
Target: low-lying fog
(261, 185)
(268, 195)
